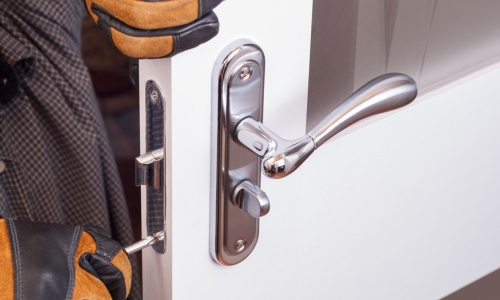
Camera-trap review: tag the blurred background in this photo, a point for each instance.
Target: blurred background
(433, 41)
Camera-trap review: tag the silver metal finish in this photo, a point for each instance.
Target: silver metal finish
(149, 166)
(145, 242)
(282, 157)
(238, 85)
(246, 72)
(241, 244)
(251, 199)
(149, 169)
(153, 95)
(237, 200)
(384, 93)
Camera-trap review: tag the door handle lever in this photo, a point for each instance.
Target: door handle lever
(282, 157)
(237, 202)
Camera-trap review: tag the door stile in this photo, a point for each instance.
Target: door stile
(157, 268)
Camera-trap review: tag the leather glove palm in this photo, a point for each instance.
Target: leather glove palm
(53, 261)
(152, 29)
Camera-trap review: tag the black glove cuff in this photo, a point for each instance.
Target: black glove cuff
(43, 256)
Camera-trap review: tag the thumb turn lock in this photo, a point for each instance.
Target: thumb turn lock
(250, 198)
(243, 147)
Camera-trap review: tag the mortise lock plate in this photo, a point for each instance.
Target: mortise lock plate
(149, 169)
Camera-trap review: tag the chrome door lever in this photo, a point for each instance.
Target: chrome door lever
(281, 157)
(237, 202)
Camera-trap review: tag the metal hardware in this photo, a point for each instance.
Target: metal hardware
(246, 72)
(153, 93)
(145, 242)
(237, 202)
(240, 244)
(237, 93)
(149, 169)
(149, 166)
(154, 97)
(282, 157)
(251, 199)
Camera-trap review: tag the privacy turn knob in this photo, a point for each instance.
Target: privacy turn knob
(251, 199)
(281, 157)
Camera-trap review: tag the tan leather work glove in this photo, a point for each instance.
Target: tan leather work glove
(54, 262)
(155, 28)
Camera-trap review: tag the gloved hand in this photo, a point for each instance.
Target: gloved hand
(55, 262)
(155, 28)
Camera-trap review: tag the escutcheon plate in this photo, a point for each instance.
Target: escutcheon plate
(237, 92)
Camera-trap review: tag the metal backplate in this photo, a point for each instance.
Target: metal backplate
(237, 92)
(155, 195)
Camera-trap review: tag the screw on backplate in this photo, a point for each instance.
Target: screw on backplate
(240, 244)
(245, 73)
(153, 95)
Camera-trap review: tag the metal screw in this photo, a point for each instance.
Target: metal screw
(240, 244)
(153, 95)
(246, 72)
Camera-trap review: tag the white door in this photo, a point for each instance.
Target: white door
(402, 205)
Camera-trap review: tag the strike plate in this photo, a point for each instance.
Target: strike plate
(237, 92)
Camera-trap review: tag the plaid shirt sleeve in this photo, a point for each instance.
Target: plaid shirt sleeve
(58, 164)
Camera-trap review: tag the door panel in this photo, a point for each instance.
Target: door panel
(157, 268)
(402, 206)
(283, 32)
(406, 207)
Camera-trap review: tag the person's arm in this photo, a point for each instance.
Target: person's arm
(153, 29)
(53, 261)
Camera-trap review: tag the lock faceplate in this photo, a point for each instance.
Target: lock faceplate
(149, 166)
(237, 93)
